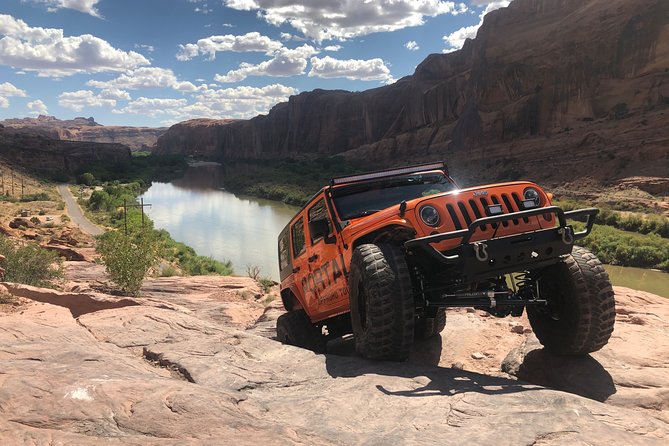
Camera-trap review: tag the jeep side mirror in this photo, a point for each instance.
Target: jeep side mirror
(321, 228)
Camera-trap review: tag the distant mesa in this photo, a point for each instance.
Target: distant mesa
(49, 156)
(86, 129)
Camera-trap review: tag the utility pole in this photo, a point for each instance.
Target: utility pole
(141, 206)
(22, 188)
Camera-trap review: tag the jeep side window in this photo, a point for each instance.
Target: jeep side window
(319, 212)
(299, 244)
(284, 255)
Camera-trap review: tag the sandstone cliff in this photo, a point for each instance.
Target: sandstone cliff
(583, 73)
(50, 156)
(86, 129)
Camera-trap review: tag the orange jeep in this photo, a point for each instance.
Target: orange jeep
(383, 254)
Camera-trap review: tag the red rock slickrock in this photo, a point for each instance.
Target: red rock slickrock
(192, 361)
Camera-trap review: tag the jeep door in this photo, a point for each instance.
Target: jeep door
(301, 273)
(327, 278)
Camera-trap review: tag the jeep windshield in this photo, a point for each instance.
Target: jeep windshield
(361, 199)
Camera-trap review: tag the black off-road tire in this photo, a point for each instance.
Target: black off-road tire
(581, 312)
(295, 328)
(382, 305)
(428, 327)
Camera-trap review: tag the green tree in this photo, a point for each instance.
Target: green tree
(87, 179)
(128, 258)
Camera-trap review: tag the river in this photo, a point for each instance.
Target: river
(197, 211)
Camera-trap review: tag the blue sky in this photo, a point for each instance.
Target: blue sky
(158, 62)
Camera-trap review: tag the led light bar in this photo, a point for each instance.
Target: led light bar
(389, 173)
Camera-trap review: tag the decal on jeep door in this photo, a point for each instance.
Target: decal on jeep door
(321, 278)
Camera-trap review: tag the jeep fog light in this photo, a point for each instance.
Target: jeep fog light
(529, 204)
(429, 215)
(531, 194)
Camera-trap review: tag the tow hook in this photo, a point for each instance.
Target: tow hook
(480, 249)
(567, 235)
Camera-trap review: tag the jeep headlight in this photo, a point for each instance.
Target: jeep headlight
(531, 198)
(430, 215)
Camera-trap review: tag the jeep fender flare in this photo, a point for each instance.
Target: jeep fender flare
(395, 233)
(290, 299)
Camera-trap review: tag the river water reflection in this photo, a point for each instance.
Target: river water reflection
(197, 211)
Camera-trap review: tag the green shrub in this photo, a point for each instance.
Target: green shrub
(86, 178)
(169, 271)
(266, 284)
(127, 258)
(30, 264)
(618, 247)
(41, 196)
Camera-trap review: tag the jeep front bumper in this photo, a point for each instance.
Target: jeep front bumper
(494, 257)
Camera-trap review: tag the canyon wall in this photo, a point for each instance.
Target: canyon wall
(579, 72)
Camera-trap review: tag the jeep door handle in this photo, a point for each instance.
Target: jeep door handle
(296, 270)
(313, 258)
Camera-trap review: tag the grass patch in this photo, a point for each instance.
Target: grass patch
(617, 247)
(640, 223)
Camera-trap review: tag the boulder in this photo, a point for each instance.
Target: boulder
(19, 222)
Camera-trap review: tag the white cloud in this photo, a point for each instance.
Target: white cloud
(85, 6)
(116, 94)
(145, 77)
(80, 99)
(49, 53)
(148, 48)
(38, 108)
(332, 48)
(411, 45)
(229, 103)
(456, 39)
(153, 107)
(366, 70)
(286, 62)
(343, 19)
(7, 89)
(249, 42)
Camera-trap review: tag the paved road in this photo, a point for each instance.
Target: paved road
(74, 211)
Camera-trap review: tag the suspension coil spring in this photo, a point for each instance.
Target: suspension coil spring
(522, 280)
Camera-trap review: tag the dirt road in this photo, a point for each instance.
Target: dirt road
(75, 213)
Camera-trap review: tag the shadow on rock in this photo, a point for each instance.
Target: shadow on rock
(426, 352)
(427, 378)
(582, 375)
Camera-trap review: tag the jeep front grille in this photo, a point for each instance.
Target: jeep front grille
(463, 213)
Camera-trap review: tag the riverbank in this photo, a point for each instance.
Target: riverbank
(105, 206)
